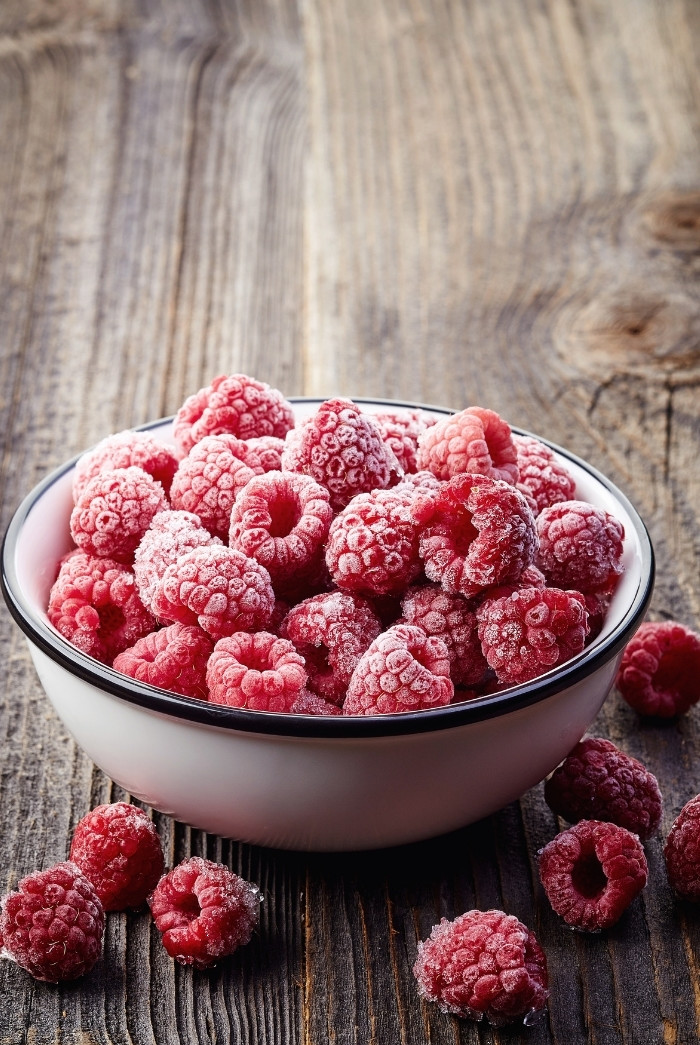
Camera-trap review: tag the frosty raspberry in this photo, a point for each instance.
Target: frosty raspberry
(114, 511)
(682, 852)
(170, 535)
(174, 658)
(474, 440)
(401, 430)
(580, 546)
(123, 450)
(208, 480)
(261, 672)
(234, 404)
(544, 478)
(660, 669)
(452, 619)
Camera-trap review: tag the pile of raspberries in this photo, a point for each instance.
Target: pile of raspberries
(350, 563)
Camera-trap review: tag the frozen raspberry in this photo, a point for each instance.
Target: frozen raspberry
(218, 588)
(124, 450)
(474, 440)
(342, 448)
(484, 964)
(531, 631)
(261, 672)
(597, 781)
(169, 536)
(476, 533)
(282, 519)
(400, 430)
(117, 847)
(52, 924)
(308, 703)
(660, 669)
(331, 631)
(94, 604)
(372, 546)
(235, 404)
(592, 872)
(452, 619)
(174, 658)
(531, 577)
(543, 476)
(402, 670)
(262, 454)
(208, 481)
(580, 546)
(204, 911)
(422, 480)
(682, 852)
(114, 511)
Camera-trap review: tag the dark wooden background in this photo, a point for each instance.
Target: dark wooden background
(450, 201)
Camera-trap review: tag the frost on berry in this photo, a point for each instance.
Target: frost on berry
(453, 619)
(114, 511)
(475, 440)
(541, 474)
(170, 535)
(401, 430)
(660, 668)
(173, 658)
(261, 672)
(122, 450)
(682, 852)
(208, 481)
(580, 546)
(235, 404)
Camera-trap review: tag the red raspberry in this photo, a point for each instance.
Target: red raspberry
(531, 631)
(94, 604)
(174, 658)
(682, 852)
(660, 668)
(341, 448)
(208, 482)
(477, 533)
(235, 404)
(580, 546)
(331, 631)
(117, 847)
(114, 511)
(452, 619)
(122, 450)
(474, 440)
(204, 912)
(543, 476)
(262, 454)
(52, 924)
(484, 964)
(218, 588)
(169, 536)
(402, 670)
(308, 703)
(372, 546)
(597, 781)
(400, 430)
(412, 481)
(282, 519)
(261, 672)
(592, 872)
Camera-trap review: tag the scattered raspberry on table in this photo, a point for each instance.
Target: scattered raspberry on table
(659, 673)
(682, 852)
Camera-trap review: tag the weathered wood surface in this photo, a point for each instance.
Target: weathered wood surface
(447, 201)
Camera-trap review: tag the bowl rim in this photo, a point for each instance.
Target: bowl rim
(279, 724)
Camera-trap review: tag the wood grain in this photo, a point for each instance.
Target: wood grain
(445, 201)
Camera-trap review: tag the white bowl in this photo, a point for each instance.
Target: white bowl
(305, 782)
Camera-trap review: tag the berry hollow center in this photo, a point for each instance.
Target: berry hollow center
(588, 877)
(284, 516)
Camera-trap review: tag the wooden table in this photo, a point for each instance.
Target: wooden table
(449, 201)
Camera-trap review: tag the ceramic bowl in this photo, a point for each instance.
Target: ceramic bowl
(305, 782)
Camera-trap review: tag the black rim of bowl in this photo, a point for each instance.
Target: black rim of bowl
(47, 639)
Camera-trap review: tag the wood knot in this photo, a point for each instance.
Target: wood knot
(674, 220)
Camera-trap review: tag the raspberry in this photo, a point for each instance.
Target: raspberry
(580, 546)
(474, 440)
(204, 911)
(372, 546)
(308, 703)
(477, 533)
(331, 631)
(94, 604)
(660, 668)
(341, 448)
(484, 964)
(544, 478)
(169, 536)
(592, 872)
(117, 847)
(52, 924)
(400, 430)
(452, 619)
(262, 454)
(114, 511)
(218, 588)
(597, 781)
(122, 450)
(174, 658)
(261, 672)
(402, 670)
(208, 481)
(235, 404)
(281, 519)
(682, 852)
(531, 631)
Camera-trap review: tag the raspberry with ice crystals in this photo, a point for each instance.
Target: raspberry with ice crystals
(170, 535)
(173, 658)
(531, 631)
(204, 911)
(114, 511)
(543, 476)
(453, 619)
(261, 672)
(484, 965)
(402, 670)
(208, 480)
(660, 667)
(682, 852)
(234, 404)
(122, 450)
(342, 448)
(592, 872)
(117, 847)
(580, 546)
(474, 440)
(262, 454)
(401, 430)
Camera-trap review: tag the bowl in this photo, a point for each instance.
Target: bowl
(307, 782)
